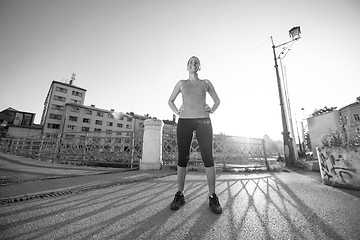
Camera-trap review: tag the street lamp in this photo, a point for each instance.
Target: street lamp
(289, 153)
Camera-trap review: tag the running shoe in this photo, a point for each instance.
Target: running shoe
(214, 204)
(179, 200)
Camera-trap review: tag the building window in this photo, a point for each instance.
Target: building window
(71, 127)
(55, 116)
(120, 125)
(108, 131)
(121, 118)
(88, 112)
(86, 120)
(129, 119)
(100, 114)
(72, 118)
(53, 126)
(110, 115)
(356, 117)
(128, 126)
(75, 101)
(97, 129)
(85, 129)
(119, 133)
(60, 89)
(59, 98)
(75, 109)
(75, 93)
(27, 120)
(98, 122)
(109, 124)
(57, 107)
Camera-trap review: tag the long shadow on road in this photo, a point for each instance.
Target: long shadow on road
(262, 206)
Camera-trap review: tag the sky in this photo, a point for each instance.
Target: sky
(129, 55)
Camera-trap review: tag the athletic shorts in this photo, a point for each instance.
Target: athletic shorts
(204, 135)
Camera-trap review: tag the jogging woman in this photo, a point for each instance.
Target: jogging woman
(194, 115)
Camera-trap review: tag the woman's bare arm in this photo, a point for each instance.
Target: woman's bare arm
(173, 96)
(214, 96)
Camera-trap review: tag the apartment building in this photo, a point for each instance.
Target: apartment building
(84, 120)
(64, 111)
(59, 94)
(350, 115)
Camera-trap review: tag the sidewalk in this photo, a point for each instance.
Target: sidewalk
(22, 178)
(135, 205)
(19, 169)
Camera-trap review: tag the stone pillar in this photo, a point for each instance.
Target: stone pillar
(152, 145)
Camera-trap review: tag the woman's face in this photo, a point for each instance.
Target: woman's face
(193, 64)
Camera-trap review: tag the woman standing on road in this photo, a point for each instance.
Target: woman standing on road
(194, 116)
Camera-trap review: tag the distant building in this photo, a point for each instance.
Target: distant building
(18, 124)
(139, 121)
(320, 125)
(64, 111)
(81, 119)
(59, 94)
(169, 129)
(350, 115)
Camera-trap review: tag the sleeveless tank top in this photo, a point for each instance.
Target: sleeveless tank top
(194, 99)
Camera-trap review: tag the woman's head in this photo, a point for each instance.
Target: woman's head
(193, 64)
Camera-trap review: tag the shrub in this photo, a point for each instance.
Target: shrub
(342, 138)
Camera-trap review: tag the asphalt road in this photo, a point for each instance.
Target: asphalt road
(282, 205)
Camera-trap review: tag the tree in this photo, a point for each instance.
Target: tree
(323, 110)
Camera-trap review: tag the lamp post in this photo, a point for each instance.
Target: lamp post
(298, 135)
(302, 128)
(288, 148)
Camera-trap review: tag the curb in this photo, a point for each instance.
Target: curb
(79, 189)
(61, 177)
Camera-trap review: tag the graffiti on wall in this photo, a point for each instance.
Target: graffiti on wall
(336, 170)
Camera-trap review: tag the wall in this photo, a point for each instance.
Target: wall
(23, 132)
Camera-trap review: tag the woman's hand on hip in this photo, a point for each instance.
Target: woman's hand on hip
(208, 108)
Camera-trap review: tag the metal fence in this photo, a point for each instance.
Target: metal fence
(229, 152)
(120, 151)
(126, 150)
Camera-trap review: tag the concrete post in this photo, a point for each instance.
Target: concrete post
(152, 145)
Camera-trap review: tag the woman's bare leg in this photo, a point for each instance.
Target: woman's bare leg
(210, 175)
(181, 175)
